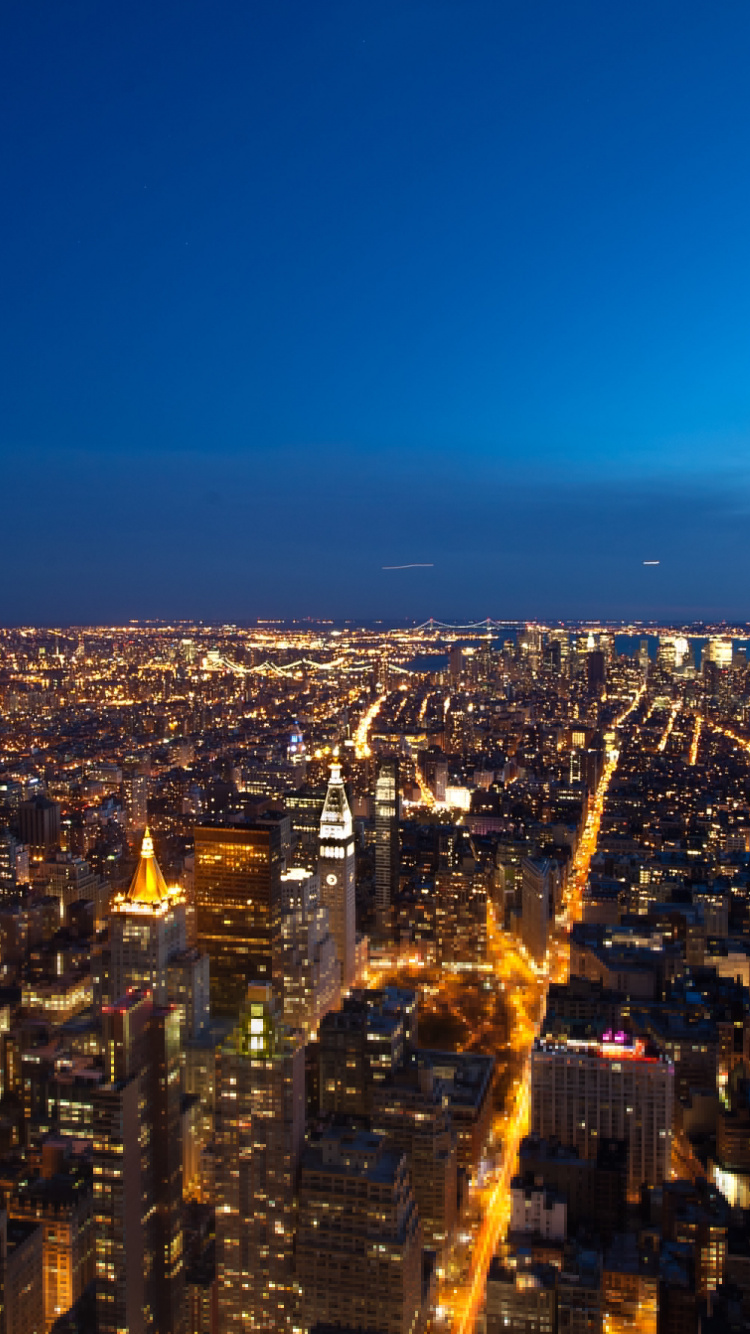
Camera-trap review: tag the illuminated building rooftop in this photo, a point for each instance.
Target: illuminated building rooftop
(148, 884)
(148, 889)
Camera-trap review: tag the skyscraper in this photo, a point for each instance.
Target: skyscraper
(147, 926)
(238, 908)
(39, 825)
(135, 794)
(386, 842)
(311, 970)
(584, 1091)
(138, 1171)
(336, 868)
(260, 1129)
(535, 906)
(359, 1243)
(411, 1107)
(596, 669)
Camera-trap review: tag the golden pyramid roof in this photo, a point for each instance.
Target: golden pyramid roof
(148, 885)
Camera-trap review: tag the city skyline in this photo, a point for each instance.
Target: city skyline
(386, 979)
(375, 667)
(309, 295)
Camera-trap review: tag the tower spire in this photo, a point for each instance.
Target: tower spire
(148, 886)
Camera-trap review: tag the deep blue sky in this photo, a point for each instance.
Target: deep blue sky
(292, 290)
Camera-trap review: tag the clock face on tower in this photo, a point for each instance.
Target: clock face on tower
(331, 879)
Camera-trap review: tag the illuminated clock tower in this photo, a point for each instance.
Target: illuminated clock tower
(336, 868)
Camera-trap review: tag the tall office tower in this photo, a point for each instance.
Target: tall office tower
(39, 825)
(455, 664)
(530, 645)
(457, 727)
(147, 926)
(359, 1239)
(666, 653)
(386, 843)
(135, 794)
(311, 969)
(362, 1044)
(188, 989)
(643, 654)
(719, 650)
(460, 914)
(238, 908)
(336, 868)
(583, 1092)
(260, 1129)
(138, 1171)
(411, 1107)
(596, 669)
(558, 643)
(535, 906)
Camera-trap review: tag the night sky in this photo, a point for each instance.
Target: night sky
(295, 290)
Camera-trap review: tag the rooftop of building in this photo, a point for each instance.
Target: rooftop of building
(362, 1153)
(611, 1154)
(148, 888)
(529, 1276)
(466, 1075)
(51, 1193)
(619, 1046)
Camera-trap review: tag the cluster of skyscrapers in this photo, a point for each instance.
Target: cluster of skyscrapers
(439, 1013)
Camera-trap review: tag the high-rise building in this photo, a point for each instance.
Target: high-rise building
(71, 880)
(386, 842)
(584, 1091)
(455, 664)
(361, 1044)
(135, 795)
(188, 989)
(336, 869)
(60, 1199)
(138, 1171)
(147, 926)
(666, 654)
(411, 1106)
(238, 900)
(296, 754)
(359, 1239)
(719, 650)
(535, 906)
(311, 969)
(39, 825)
(596, 669)
(558, 645)
(260, 1129)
